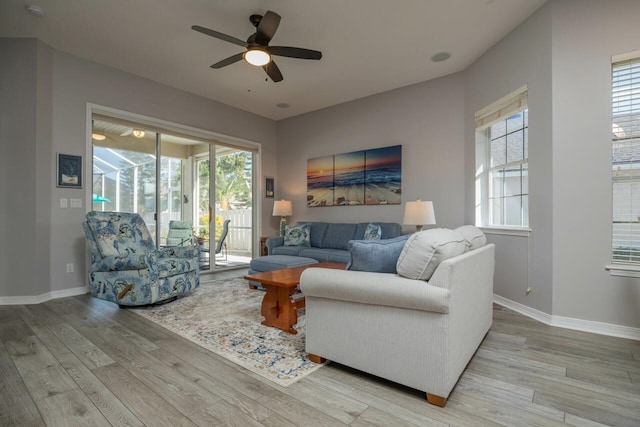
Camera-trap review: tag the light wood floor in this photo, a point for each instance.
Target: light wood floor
(82, 361)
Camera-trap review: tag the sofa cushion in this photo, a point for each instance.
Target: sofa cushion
(473, 236)
(286, 250)
(337, 236)
(318, 229)
(319, 254)
(372, 232)
(298, 235)
(379, 256)
(325, 255)
(340, 256)
(168, 267)
(387, 229)
(277, 262)
(119, 233)
(425, 250)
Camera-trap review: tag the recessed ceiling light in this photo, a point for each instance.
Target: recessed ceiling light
(35, 10)
(442, 56)
(98, 136)
(138, 133)
(283, 105)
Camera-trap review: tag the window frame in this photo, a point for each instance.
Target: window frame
(619, 266)
(501, 110)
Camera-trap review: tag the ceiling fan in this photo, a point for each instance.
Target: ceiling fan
(258, 52)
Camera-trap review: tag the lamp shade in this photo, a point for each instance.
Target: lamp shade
(282, 208)
(419, 213)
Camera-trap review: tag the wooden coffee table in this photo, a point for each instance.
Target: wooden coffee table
(279, 308)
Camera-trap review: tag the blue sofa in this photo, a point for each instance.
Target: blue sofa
(329, 241)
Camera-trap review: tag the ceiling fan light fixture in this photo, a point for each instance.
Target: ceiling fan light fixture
(257, 57)
(98, 136)
(138, 133)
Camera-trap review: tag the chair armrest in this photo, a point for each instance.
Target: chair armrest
(124, 262)
(179, 252)
(274, 242)
(364, 287)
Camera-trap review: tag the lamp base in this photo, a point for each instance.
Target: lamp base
(283, 226)
(418, 228)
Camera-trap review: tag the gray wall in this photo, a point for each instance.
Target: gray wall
(563, 52)
(586, 34)
(23, 134)
(424, 118)
(43, 113)
(523, 57)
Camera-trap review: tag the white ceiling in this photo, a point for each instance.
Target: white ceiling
(368, 46)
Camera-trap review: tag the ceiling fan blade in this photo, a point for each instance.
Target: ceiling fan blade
(230, 60)
(127, 132)
(267, 28)
(219, 35)
(273, 71)
(295, 52)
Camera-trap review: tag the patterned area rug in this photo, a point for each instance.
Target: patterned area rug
(223, 316)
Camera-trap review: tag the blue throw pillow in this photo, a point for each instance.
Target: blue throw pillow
(378, 256)
(300, 235)
(373, 232)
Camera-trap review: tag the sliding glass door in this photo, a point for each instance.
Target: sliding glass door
(233, 202)
(124, 172)
(165, 177)
(225, 204)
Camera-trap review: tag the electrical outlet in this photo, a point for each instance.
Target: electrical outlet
(528, 290)
(70, 267)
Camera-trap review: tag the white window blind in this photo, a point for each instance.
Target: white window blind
(625, 165)
(502, 108)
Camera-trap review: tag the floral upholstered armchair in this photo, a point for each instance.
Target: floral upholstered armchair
(126, 267)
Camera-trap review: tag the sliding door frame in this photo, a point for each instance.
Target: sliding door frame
(203, 135)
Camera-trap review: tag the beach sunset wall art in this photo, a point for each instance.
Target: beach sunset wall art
(367, 177)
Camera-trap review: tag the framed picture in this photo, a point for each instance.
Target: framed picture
(69, 171)
(269, 187)
(366, 177)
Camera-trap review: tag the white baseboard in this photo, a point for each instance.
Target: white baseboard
(569, 322)
(37, 299)
(538, 315)
(597, 327)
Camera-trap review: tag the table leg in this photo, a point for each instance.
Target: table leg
(278, 309)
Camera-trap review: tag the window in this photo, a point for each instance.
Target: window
(625, 160)
(502, 163)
